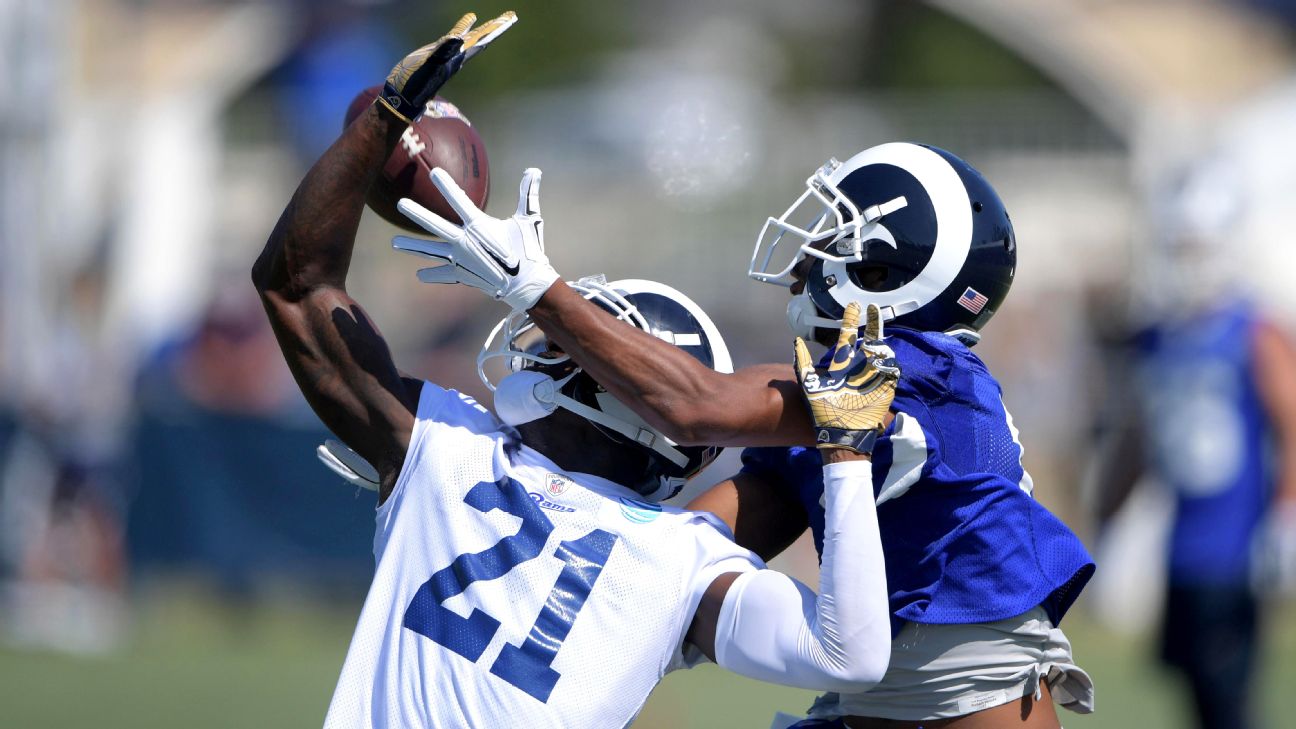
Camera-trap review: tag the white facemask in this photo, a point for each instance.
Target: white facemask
(527, 395)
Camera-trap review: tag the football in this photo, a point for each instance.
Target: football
(440, 137)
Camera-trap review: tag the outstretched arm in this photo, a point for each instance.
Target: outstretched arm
(766, 625)
(336, 354)
(688, 401)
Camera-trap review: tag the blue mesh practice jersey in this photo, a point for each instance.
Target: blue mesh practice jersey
(965, 542)
(1207, 431)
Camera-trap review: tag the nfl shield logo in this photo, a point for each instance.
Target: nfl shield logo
(555, 484)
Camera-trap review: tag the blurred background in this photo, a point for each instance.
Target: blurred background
(170, 551)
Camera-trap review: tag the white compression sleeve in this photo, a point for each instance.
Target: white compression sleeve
(774, 628)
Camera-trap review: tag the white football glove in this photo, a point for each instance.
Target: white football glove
(504, 258)
(348, 464)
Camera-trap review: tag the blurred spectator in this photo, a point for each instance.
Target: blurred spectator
(230, 363)
(224, 461)
(61, 551)
(1211, 414)
(344, 48)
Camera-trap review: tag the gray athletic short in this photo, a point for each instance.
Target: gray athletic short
(943, 671)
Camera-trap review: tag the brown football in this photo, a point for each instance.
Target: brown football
(440, 137)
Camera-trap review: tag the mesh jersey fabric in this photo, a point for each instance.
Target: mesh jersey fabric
(510, 592)
(1208, 434)
(964, 539)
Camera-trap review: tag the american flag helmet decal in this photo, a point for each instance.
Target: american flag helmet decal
(973, 300)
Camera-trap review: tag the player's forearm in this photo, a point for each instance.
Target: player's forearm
(672, 391)
(658, 380)
(775, 629)
(312, 242)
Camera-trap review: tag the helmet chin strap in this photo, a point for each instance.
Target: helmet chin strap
(666, 486)
(803, 316)
(637, 433)
(969, 337)
(528, 395)
(547, 395)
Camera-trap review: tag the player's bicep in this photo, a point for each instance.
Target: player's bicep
(765, 517)
(345, 370)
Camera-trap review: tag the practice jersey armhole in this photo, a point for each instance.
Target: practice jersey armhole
(738, 560)
(715, 522)
(431, 400)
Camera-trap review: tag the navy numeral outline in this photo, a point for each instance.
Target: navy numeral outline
(528, 666)
(469, 636)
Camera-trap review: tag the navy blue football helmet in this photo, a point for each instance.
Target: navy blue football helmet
(656, 308)
(908, 227)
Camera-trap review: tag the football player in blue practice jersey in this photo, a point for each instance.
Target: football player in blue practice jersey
(979, 573)
(525, 574)
(1212, 416)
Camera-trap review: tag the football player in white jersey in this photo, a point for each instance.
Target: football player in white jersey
(523, 572)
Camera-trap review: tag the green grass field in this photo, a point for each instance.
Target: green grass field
(193, 663)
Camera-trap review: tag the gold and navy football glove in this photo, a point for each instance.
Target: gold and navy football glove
(849, 399)
(418, 76)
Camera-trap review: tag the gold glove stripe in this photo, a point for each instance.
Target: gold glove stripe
(462, 26)
(849, 403)
(487, 29)
(853, 410)
(392, 109)
(463, 31)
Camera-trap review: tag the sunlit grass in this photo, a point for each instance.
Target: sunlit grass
(197, 662)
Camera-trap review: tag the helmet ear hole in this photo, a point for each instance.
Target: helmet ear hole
(872, 277)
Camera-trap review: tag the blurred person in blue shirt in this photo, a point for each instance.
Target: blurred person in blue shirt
(343, 47)
(1212, 417)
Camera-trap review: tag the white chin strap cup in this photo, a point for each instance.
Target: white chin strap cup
(528, 395)
(803, 316)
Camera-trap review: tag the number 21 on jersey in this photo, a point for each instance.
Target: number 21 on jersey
(528, 666)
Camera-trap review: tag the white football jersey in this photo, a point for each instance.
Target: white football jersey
(509, 592)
